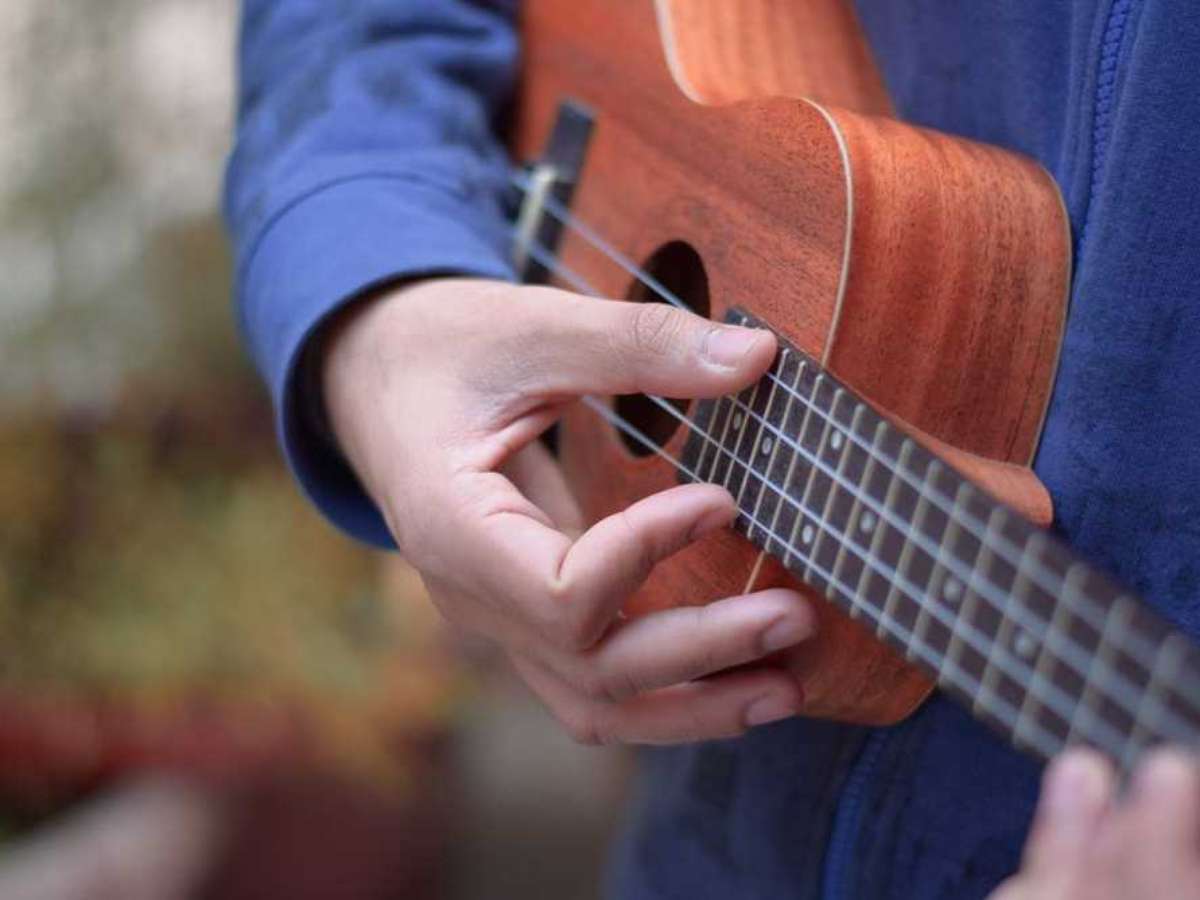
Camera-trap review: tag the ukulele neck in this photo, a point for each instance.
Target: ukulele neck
(1035, 641)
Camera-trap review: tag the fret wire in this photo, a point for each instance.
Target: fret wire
(1115, 622)
(1004, 630)
(782, 459)
(699, 467)
(905, 551)
(826, 430)
(724, 433)
(1142, 647)
(1128, 694)
(965, 601)
(1042, 630)
(833, 430)
(564, 216)
(931, 472)
(1086, 611)
(1171, 655)
(839, 559)
(742, 430)
(1044, 743)
(902, 636)
(802, 512)
(758, 443)
(856, 515)
(812, 564)
(971, 638)
(555, 265)
(1014, 596)
(1060, 609)
(1016, 593)
(787, 478)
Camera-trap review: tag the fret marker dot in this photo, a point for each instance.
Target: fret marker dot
(806, 534)
(866, 522)
(835, 441)
(766, 445)
(952, 589)
(1024, 645)
(737, 420)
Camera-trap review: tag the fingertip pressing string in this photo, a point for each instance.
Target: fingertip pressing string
(1127, 693)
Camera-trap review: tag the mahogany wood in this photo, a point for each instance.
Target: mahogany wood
(926, 271)
(720, 52)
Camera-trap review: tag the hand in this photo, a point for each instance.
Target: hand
(1086, 844)
(437, 392)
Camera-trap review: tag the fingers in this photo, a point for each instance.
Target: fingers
(1164, 802)
(1087, 845)
(1154, 835)
(1077, 790)
(719, 707)
(680, 645)
(611, 347)
(568, 591)
(612, 558)
(534, 472)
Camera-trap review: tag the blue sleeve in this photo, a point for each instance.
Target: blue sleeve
(366, 152)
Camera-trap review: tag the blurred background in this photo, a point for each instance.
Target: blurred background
(204, 690)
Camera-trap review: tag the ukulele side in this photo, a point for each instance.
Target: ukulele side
(928, 272)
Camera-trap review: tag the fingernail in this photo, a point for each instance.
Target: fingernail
(1163, 773)
(727, 346)
(770, 708)
(1075, 790)
(787, 632)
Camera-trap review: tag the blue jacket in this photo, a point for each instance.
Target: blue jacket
(366, 151)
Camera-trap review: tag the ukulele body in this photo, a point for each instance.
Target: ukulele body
(927, 272)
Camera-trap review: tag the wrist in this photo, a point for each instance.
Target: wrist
(353, 371)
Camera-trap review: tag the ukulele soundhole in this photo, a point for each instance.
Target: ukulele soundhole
(675, 273)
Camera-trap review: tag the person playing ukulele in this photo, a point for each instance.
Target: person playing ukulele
(411, 378)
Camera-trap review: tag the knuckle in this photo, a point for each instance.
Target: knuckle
(706, 656)
(569, 625)
(654, 327)
(583, 730)
(571, 632)
(610, 687)
(560, 593)
(645, 553)
(596, 689)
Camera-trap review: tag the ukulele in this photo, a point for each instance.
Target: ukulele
(740, 158)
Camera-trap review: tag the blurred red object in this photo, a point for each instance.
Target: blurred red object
(55, 747)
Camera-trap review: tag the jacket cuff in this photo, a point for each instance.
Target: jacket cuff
(318, 255)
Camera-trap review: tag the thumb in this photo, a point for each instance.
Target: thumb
(617, 347)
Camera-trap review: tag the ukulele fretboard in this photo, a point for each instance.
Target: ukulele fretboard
(1035, 641)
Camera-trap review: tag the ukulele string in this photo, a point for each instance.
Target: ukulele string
(1142, 652)
(944, 503)
(1040, 738)
(542, 256)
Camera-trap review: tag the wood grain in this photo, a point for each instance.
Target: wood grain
(928, 271)
(720, 52)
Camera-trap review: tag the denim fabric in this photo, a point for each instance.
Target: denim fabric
(366, 152)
